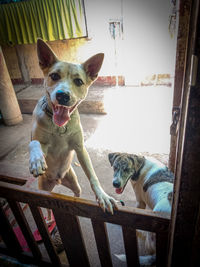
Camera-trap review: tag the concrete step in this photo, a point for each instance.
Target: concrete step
(28, 97)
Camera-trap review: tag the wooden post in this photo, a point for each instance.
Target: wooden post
(185, 222)
(22, 64)
(8, 102)
(181, 48)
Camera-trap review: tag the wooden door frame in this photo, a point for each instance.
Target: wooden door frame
(184, 239)
(184, 11)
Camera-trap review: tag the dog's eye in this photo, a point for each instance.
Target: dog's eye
(78, 82)
(114, 168)
(55, 76)
(126, 170)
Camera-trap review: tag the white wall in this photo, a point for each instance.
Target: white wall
(146, 48)
(98, 13)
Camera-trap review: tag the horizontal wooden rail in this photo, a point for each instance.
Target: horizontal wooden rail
(141, 219)
(12, 180)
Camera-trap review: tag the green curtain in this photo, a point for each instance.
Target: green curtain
(24, 22)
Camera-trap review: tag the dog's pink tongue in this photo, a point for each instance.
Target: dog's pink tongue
(119, 190)
(61, 115)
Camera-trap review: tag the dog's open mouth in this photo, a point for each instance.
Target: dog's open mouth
(61, 114)
(121, 189)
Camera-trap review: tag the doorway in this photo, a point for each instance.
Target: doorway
(141, 48)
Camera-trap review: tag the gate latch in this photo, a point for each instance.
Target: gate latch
(175, 120)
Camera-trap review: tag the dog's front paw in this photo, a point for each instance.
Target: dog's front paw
(106, 202)
(37, 163)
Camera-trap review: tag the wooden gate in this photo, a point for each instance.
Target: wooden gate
(67, 211)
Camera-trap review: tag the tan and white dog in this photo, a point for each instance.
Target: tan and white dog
(152, 183)
(57, 130)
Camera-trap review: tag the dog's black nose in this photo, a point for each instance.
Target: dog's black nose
(62, 97)
(116, 183)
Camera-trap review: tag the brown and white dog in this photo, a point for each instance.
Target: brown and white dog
(57, 131)
(152, 183)
(151, 180)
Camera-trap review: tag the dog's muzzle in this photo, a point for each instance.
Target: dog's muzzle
(62, 98)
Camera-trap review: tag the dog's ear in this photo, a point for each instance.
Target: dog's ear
(112, 157)
(45, 55)
(138, 161)
(93, 65)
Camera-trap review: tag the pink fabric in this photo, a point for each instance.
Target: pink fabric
(36, 235)
(21, 239)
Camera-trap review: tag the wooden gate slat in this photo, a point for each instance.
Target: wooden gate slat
(130, 244)
(161, 249)
(42, 227)
(66, 209)
(71, 235)
(24, 226)
(102, 242)
(8, 234)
